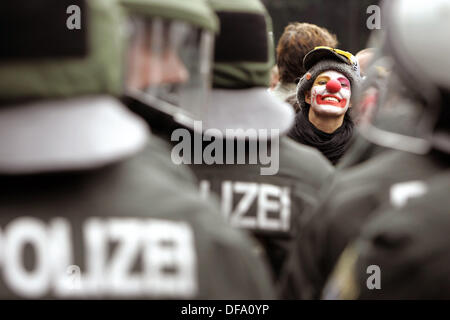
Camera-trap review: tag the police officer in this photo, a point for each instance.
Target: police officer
(86, 209)
(402, 252)
(263, 179)
(409, 114)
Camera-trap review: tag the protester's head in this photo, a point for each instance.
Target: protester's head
(324, 97)
(58, 74)
(409, 111)
(169, 54)
(364, 57)
(296, 41)
(325, 89)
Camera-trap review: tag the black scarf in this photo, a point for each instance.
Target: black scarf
(332, 145)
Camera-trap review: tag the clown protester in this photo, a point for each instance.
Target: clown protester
(324, 94)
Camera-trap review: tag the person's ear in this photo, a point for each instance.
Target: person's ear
(308, 97)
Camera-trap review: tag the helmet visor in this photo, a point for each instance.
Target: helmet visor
(169, 65)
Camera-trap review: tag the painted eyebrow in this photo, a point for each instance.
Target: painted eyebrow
(322, 78)
(345, 80)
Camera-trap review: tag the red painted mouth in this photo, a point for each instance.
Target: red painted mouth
(341, 103)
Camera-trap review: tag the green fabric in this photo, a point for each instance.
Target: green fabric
(302, 170)
(412, 241)
(196, 12)
(244, 74)
(347, 202)
(140, 188)
(98, 72)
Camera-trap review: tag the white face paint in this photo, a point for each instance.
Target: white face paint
(330, 94)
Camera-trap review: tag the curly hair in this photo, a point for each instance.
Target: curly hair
(295, 42)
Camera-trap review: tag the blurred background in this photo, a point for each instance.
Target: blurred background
(345, 18)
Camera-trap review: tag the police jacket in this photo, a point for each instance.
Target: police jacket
(403, 252)
(347, 203)
(126, 230)
(267, 206)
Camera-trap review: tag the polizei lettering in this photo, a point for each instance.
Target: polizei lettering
(271, 204)
(122, 257)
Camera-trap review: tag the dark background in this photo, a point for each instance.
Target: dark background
(345, 18)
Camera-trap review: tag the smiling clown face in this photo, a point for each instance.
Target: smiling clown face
(330, 94)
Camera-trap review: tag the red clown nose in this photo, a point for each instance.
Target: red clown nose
(333, 86)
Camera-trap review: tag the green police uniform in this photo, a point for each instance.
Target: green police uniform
(351, 199)
(270, 207)
(90, 208)
(124, 231)
(402, 253)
